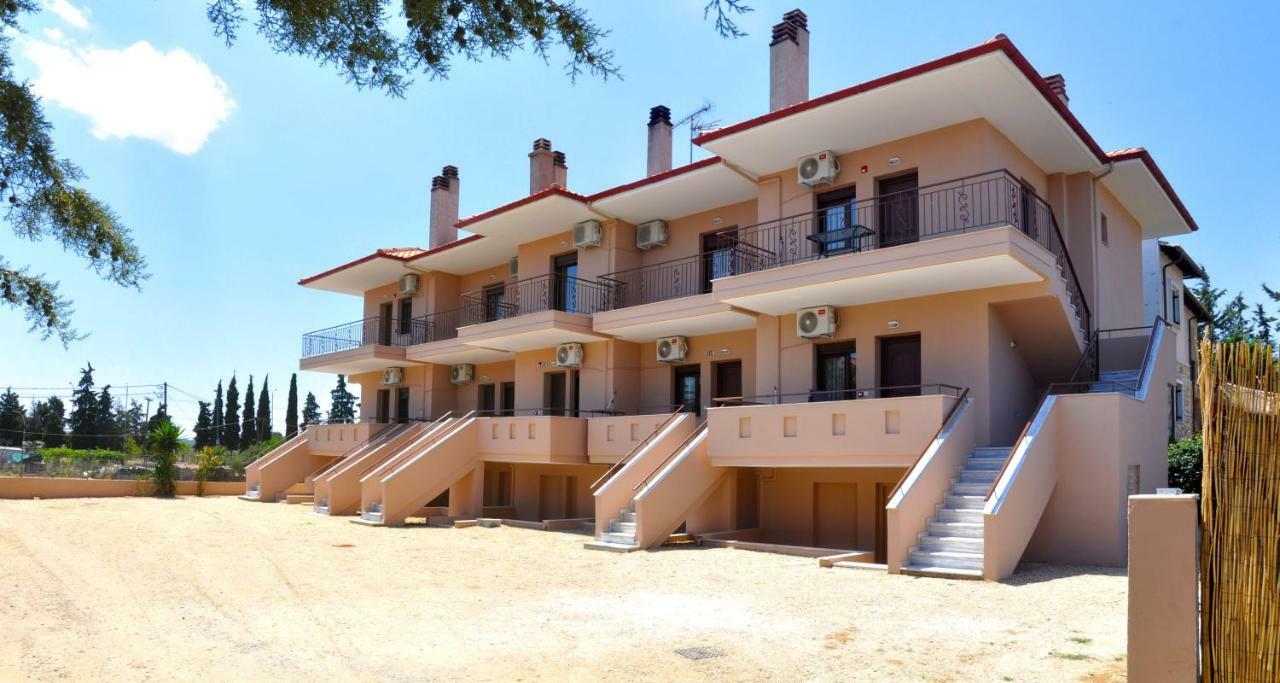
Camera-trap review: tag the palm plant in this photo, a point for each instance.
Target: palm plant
(164, 443)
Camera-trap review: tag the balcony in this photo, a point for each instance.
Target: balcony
(883, 427)
(361, 346)
(673, 297)
(533, 313)
(440, 344)
(336, 438)
(533, 439)
(840, 242)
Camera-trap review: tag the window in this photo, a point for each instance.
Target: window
(837, 368)
(1176, 305)
(1104, 228)
(406, 314)
(1177, 403)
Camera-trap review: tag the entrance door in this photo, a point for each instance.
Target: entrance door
(384, 325)
(551, 497)
(402, 404)
(882, 524)
(553, 393)
(384, 406)
(835, 516)
(837, 211)
(728, 380)
(897, 212)
(688, 388)
(837, 372)
(495, 303)
(719, 256)
(508, 405)
(564, 292)
(900, 365)
(748, 498)
(485, 403)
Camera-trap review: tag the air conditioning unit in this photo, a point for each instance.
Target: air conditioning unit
(651, 234)
(587, 234)
(819, 321)
(462, 374)
(672, 349)
(409, 284)
(569, 355)
(513, 267)
(393, 376)
(817, 169)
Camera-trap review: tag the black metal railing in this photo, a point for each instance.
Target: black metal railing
(440, 326)
(978, 202)
(377, 330)
(820, 396)
(682, 277)
(543, 293)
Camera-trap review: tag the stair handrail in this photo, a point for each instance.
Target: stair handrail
(430, 425)
(613, 469)
(399, 460)
(676, 451)
(946, 420)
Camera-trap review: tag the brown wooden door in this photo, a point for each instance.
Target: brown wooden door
(384, 325)
(553, 393)
(687, 388)
(486, 405)
(402, 404)
(551, 497)
(748, 498)
(897, 211)
(835, 516)
(900, 365)
(728, 379)
(384, 406)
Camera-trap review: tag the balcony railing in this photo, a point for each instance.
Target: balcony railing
(440, 326)
(552, 292)
(952, 207)
(822, 396)
(375, 331)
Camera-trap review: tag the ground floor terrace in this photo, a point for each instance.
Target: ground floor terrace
(214, 589)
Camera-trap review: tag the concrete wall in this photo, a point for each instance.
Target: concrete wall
(54, 487)
(787, 502)
(1120, 297)
(1163, 588)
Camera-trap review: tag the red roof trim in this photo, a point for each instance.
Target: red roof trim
(1145, 157)
(656, 178)
(392, 255)
(551, 191)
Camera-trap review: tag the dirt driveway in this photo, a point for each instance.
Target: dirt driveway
(221, 589)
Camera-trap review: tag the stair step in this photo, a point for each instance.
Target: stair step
(969, 544)
(941, 572)
(979, 477)
(619, 538)
(991, 452)
(372, 516)
(983, 464)
(963, 502)
(622, 527)
(946, 558)
(299, 498)
(946, 514)
(969, 489)
(626, 516)
(320, 509)
(967, 529)
(611, 547)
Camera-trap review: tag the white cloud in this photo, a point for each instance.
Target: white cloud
(54, 34)
(76, 16)
(170, 97)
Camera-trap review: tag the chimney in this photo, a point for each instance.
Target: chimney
(1058, 85)
(659, 140)
(789, 61)
(541, 166)
(560, 170)
(444, 207)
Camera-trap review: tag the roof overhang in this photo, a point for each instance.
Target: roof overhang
(1179, 257)
(676, 193)
(1143, 190)
(688, 316)
(355, 277)
(471, 254)
(991, 81)
(542, 214)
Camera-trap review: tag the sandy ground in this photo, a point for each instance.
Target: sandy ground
(222, 589)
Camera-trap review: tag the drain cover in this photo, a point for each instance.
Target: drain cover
(700, 653)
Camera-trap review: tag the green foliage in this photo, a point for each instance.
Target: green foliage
(231, 419)
(311, 410)
(343, 408)
(248, 433)
(291, 410)
(95, 457)
(165, 440)
(262, 418)
(1186, 461)
(208, 460)
(204, 426)
(49, 421)
(217, 416)
(13, 419)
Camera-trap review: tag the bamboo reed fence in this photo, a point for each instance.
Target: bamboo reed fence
(1240, 513)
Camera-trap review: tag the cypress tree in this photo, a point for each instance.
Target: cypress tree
(291, 410)
(264, 410)
(105, 427)
(13, 419)
(310, 410)
(84, 416)
(248, 433)
(204, 426)
(343, 408)
(217, 415)
(231, 419)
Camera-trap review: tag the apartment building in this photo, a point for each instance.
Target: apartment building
(1166, 269)
(900, 324)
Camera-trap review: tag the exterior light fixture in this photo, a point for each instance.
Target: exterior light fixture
(895, 161)
(717, 220)
(894, 324)
(863, 169)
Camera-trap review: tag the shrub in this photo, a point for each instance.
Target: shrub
(208, 460)
(82, 457)
(1186, 461)
(164, 442)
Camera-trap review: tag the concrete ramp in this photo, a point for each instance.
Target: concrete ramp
(337, 490)
(419, 473)
(267, 478)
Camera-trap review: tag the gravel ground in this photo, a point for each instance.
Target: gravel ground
(221, 589)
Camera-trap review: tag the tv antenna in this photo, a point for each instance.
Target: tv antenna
(697, 122)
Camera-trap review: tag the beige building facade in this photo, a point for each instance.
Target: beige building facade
(889, 324)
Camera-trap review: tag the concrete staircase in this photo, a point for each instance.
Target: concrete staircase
(952, 546)
(1108, 381)
(621, 535)
(371, 516)
(252, 492)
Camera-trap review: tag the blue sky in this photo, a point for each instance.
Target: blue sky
(240, 171)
